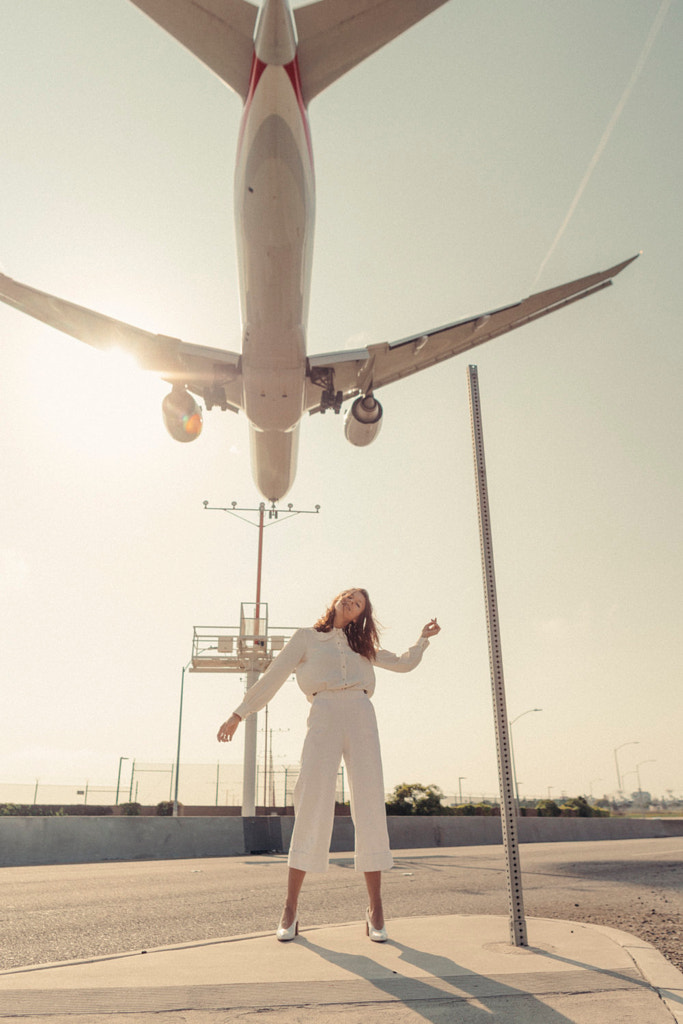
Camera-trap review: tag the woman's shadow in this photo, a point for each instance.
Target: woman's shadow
(479, 997)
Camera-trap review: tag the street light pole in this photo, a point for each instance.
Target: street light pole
(118, 778)
(460, 778)
(180, 730)
(650, 760)
(629, 743)
(512, 751)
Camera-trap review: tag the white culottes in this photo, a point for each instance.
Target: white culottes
(341, 724)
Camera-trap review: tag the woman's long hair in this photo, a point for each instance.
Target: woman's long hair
(362, 635)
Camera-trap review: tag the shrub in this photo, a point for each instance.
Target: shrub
(579, 806)
(465, 809)
(165, 808)
(130, 809)
(480, 810)
(32, 811)
(9, 810)
(15, 810)
(548, 809)
(414, 798)
(90, 810)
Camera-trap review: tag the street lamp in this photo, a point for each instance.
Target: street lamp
(512, 752)
(118, 778)
(650, 760)
(180, 729)
(629, 743)
(460, 778)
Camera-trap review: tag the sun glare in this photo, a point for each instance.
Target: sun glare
(99, 403)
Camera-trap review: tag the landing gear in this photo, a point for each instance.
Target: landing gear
(215, 396)
(323, 378)
(331, 400)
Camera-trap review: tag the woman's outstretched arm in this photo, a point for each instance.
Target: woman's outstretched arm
(413, 656)
(262, 692)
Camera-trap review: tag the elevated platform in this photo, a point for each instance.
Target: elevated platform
(229, 649)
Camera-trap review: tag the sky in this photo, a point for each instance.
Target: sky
(493, 150)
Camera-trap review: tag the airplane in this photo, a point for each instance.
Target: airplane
(278, 59)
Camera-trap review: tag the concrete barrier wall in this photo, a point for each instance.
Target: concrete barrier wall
(79, 840)
(83, 840)
(415, 833)
(567, 830)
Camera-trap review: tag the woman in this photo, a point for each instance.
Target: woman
(334, 665)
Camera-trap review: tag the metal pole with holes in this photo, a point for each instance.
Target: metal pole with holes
(505, 773)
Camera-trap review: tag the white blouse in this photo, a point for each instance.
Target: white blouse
(324, 661)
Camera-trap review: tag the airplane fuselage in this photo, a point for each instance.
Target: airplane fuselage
(274, 213)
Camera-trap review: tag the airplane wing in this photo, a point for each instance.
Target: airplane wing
(219, 32)
(335, 35)
(211, 373)
(356, 372)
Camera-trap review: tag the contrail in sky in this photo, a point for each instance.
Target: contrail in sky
(640, 64)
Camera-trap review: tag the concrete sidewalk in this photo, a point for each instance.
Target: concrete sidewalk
(436, 969)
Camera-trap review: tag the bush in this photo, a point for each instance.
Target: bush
(480, 810)
(574, 807)
(31, 811)
(90, 810)
(130, 809)
(414, 798)
(13, 810)
(165, 808)
(548, 809)
(579, 806)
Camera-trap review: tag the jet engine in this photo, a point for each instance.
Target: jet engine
(363, 420)
(182, 415)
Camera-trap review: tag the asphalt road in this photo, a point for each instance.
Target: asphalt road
(76, 911)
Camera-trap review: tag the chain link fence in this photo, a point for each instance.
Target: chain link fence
(150, 783)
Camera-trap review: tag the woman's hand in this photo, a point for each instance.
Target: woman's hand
(431, 629)
(229, 728)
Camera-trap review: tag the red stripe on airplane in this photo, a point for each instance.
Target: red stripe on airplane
(292, 70)
(257, 69)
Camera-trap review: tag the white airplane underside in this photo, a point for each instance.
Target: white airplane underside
(278, 60)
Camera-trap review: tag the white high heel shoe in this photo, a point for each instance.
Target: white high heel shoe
(375, 934)
(287, 934)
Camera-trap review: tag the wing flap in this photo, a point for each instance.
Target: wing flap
(219, 32)
(354, 372)
(334, 36)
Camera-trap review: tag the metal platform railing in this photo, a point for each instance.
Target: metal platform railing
(229, 649)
